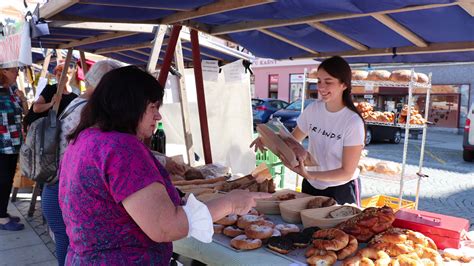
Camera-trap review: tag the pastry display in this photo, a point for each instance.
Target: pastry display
(258, 231)
(287, 228)
(402, 76)
(330, 239)
(228, 220)
(359, 74)
(218, 228)
(322, 257)
(232, 231)
(370, 222)
(248, 219)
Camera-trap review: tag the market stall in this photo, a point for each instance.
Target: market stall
(357, 30)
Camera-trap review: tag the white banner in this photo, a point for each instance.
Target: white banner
(15, 45)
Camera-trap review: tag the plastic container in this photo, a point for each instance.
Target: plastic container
(382, 200)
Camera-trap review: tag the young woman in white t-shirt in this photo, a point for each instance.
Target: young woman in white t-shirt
(336, 134)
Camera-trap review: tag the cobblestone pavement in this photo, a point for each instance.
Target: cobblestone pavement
(450, 187)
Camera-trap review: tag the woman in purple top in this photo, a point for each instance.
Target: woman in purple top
(118, 203)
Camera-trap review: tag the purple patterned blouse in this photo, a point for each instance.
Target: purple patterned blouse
(97, 172)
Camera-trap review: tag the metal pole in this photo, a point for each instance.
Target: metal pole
(407, 133)
(303, 89)
(169, 55)
(201, 97)
(423, 141)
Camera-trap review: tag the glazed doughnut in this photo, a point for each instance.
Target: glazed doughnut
(300, 240)
(232, 231)
(265, 223)
(218, 228)
(280, 244)
(258, 231)
(276, 232)
(228, 220)
(349, 250)
(242, 242)
(246, 220)
(322, 258)
(287, 228)
(330, 239)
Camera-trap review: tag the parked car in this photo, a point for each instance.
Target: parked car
(263, 108)
(289, 115)
(468, 143)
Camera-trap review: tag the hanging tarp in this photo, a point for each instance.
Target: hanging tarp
(15, 45)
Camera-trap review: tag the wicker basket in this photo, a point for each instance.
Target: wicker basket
(317, 217)
(290, 209)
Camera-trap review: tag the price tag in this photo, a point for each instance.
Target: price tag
(368, 96)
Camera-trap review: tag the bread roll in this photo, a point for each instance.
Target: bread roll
(379, 75)
(359, 74)
(312, 73)
(422, 78)
(402, 76)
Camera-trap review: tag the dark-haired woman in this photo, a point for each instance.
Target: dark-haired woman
(336, 134)
(118, 202)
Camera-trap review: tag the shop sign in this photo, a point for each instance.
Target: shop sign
(296, 78)
(15, 45)
(368, 96)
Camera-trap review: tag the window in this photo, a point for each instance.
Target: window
(273, 86)
(296, 86)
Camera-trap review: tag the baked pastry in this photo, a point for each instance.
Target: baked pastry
(378, 75)
(320, 202)
(368, 223)
(422, 78)
(370, 256)
(288, 196)
(287, 228)
(280, 244)
(349, 250)
(228, 220)
(253, 211)
(322, 257)
(388, 168)
(244, 243)
(258, 231)
(264, 223)
(359, 74)
(218, 228)
(232, 231)
(343, 211)
(402, 76)
(330, 239)
(276, 232)
(246, 220)
(299, 240)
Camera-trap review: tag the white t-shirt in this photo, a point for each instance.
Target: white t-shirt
(328, 134)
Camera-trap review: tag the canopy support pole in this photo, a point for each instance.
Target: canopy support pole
(156, 48)
(83, 63)
(165, 68)
(46, 63)
(201, 97)
(183, 99)
(62, 80)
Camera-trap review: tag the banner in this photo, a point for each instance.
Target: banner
(15, 45)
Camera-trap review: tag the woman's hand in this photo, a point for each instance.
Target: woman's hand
(258, 145)
(300, 152)
(242, 201)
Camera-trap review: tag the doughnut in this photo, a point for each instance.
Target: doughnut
(276, 232)
(258, 231)
(245, 243)
(253, 211)
(232, 231)
(310, 230)
(299, 240)
(246, 220)
(218, 228)
(287, 228)
(322, 258)
(330, 239)
(280, 244)
(349, 250)
(228, 220)
(265, 223)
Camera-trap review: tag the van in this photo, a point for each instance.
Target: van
(468, 142)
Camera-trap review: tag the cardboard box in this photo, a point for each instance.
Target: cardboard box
(446, 231)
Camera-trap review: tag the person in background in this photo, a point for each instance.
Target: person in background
(336, 134)
(47, 98)
(118, 202)
(12, 105)
(49, 199)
